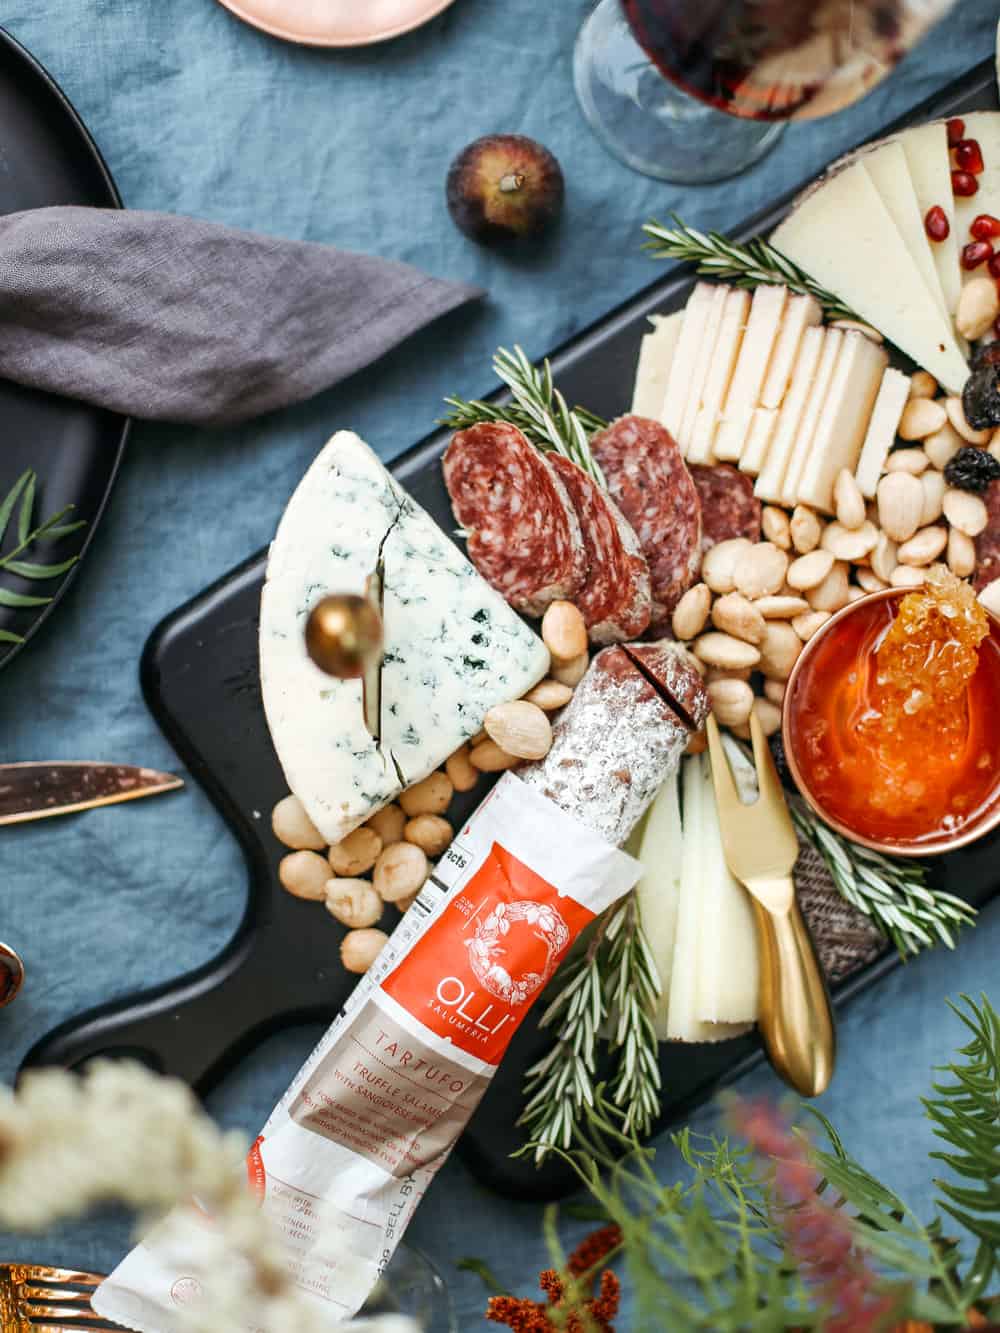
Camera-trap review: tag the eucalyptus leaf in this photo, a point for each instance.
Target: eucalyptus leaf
(26, 510)
(7, 636)
(64, 529)
(11, 499)
(29, 570)
(20, 599)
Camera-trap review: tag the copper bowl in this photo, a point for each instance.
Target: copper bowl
(984, 823)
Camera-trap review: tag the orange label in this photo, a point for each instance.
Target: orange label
(256, 1174)
(476, 972)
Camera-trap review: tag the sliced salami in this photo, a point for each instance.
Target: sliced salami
(988, 541)
(653, 488)
(522, 530)
(615, 598)
(729, 507)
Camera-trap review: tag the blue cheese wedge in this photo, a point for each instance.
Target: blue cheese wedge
(453, 647)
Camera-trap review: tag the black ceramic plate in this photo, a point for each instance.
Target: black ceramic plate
(201, 679)
(47, 157)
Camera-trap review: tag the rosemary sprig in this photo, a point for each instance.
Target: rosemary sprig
(747, 265)
(20, 499)
(538, 409)
(614, 979)
(893, 894)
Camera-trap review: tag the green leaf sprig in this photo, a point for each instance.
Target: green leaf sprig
(17, 511)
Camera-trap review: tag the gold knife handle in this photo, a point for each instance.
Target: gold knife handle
(796, 1022)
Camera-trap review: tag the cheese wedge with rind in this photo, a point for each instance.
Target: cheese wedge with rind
(656, 354)
(842, 235)
(763, 330)
(720, 372)
(893, 395)
(926, 149)
(453, 647)
(815, 406)
(772, 474)
(890, 174)
(686, 353)
(983, 126)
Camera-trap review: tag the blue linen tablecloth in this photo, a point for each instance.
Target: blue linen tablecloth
(197, 113)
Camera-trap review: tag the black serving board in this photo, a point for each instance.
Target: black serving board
(46, 158)
(200, 676)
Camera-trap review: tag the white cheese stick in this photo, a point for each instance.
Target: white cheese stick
(886, 165)
(703, 361)
(815, 406)
(893, 394)
(656, 354)
(844, 419)
(758, 442)
(772, 474)
(720, 373)
(686, 353)
(659, 848)
(759, 340)
(927, 156)
(802, 312)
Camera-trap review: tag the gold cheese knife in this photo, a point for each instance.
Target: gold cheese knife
(40, 791)
(796, 1022)
(344, 639)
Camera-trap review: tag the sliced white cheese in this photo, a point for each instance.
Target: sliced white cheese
(803, 313)
(759, 437)
(772, 474)
(720, 373)
(880, 437)
(659, 848)
(926, 149)
(759, 341)
(843, 236)
(844, 419)
(685, 355)
(703, 361)
(453, 647)
(815, 406)
(984, 126)
(887, 167)
(656, 354)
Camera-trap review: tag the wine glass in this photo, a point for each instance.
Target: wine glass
(698, 90)
(412, 1286)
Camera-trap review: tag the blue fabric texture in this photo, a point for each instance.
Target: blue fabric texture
(197, 113)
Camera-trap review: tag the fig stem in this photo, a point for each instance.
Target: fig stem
(511, 182)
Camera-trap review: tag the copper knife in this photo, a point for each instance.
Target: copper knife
(39, 791)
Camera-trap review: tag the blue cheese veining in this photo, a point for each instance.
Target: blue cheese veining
(453, 647)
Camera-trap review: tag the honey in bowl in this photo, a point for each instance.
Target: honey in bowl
(892, 722)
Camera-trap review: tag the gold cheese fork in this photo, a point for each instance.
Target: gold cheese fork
(37, 1299)
(761, 849)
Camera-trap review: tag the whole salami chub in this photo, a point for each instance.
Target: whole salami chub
(729, 507)
(522, 531)
(651, 484)
(614, 599)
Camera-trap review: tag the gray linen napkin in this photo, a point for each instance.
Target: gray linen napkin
(175, 319)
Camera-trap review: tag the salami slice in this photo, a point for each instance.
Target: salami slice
(522, 530)
(988, 541)
(729, 507)
(615, 599)
(653, 488)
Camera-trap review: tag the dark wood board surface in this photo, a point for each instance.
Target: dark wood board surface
(200, 676)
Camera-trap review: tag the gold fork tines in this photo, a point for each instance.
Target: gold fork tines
(796, 1023)
(38, 1299)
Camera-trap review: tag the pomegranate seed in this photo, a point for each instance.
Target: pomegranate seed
(969, 156)
(936, 223)
(956, 130)
(994, 267)
(985, 226)
(976, 253)
(963, 183)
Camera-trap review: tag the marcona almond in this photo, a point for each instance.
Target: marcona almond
(933, 483)
(572, 672)
(782, 606)
(292, 826)
(884, 559)
(921, 417)
(431, 796)
(723, 650)
(831, 594)
(810, 570)
(775, 689)
(731, 701)
(389, 821)
(768, 715)
(956, 415)
(908, 576)
(355, 854)
(775, 527)
(489, 758)
(855, 594)
(805, 626)
(943, 445)
(779, 650)
(401, 869)
(994, 445)
(549, 694)
(353, 902)
(869, 581)
(961, 553)
(848, 501)
(304, 874)
(564, 631)
(907, 460)
(923, 384)
(924, 546)
(431, 833)
(805, 528)
(856, 326)
(691, 612)
(460, 771)
(714, 673)
(761, 571)
(360, 948)
(900, 504)
(990, 596)
(718, 567)
(734, 614)
(978, 306)
(965, 510)
(850, 544)
(519, 728)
